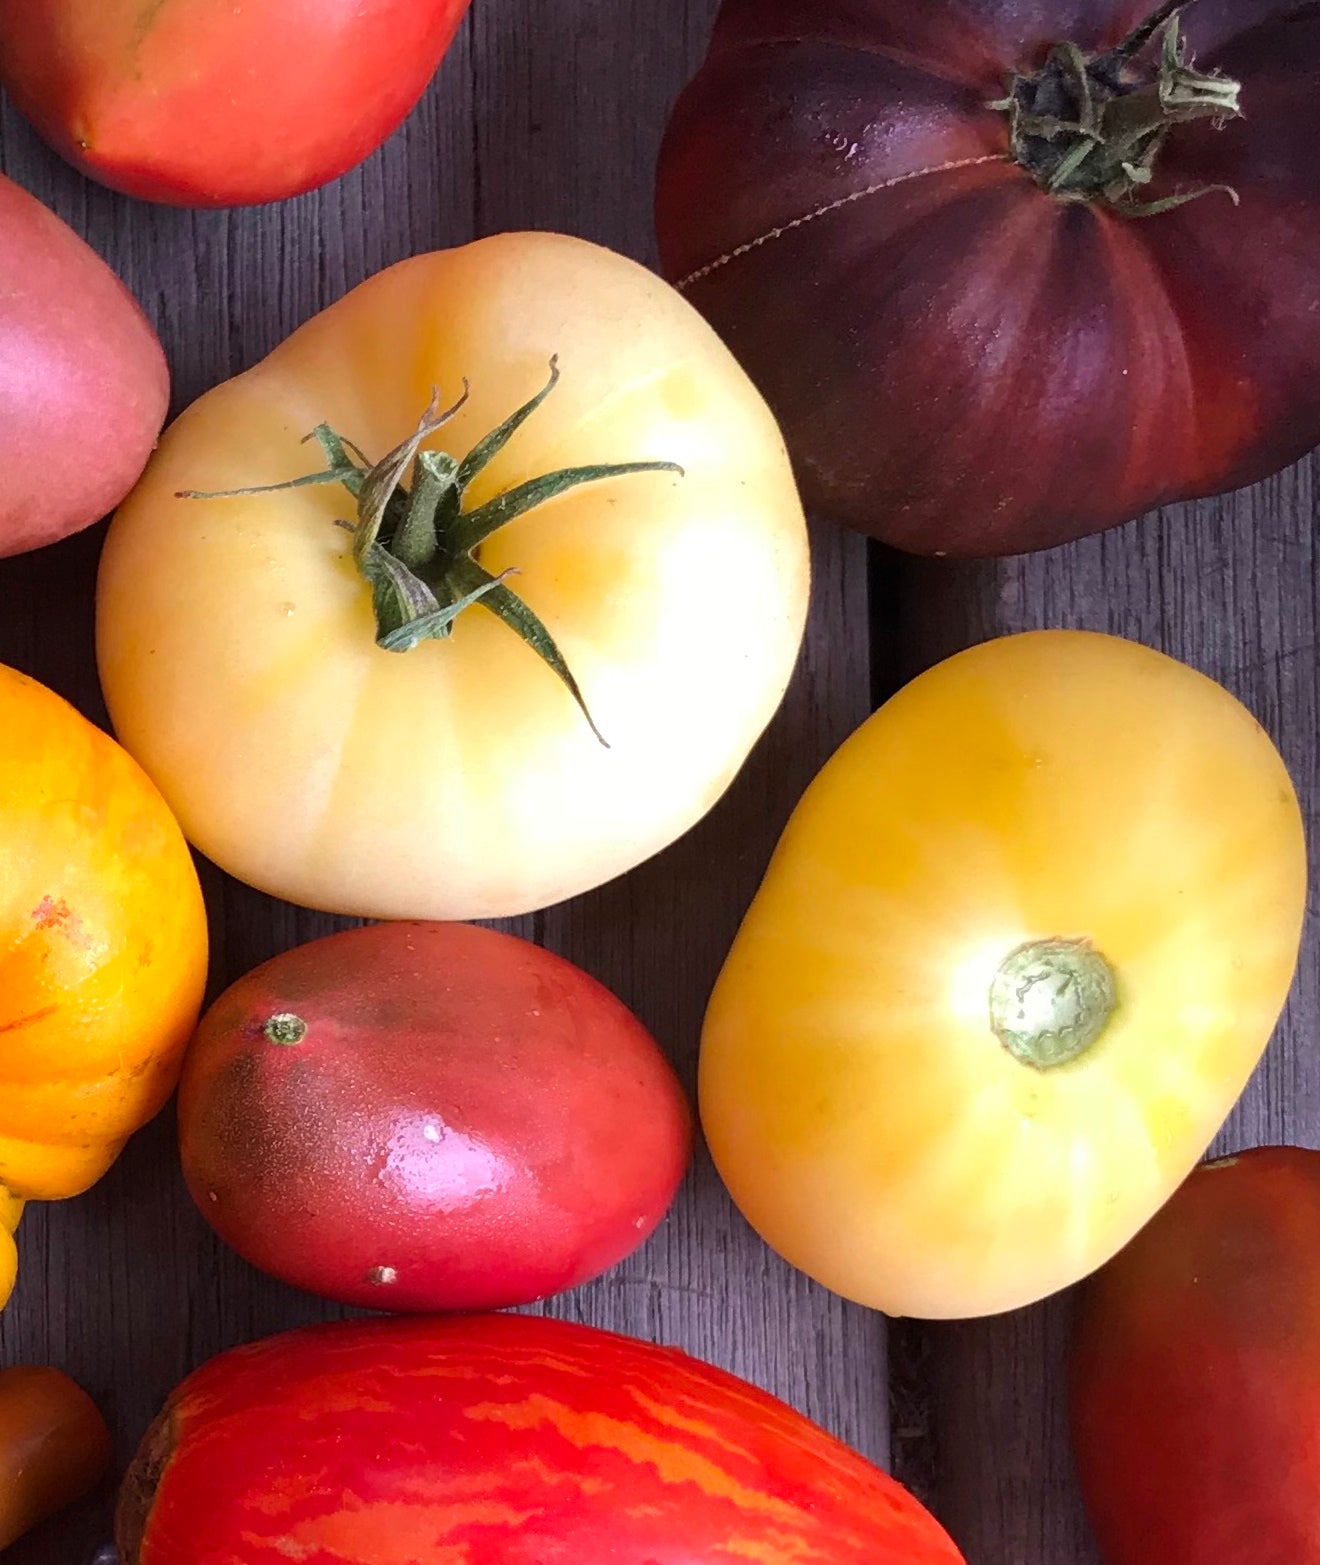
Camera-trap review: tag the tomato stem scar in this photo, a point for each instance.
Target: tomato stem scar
(1051, 1000)
(285, 1029)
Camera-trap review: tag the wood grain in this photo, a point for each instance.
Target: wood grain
(546, 116)
(531, 123)
(1229, 586)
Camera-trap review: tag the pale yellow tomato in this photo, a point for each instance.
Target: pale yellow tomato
(1021, 946)
(460, 779)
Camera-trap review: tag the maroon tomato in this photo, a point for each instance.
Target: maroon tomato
(932, 231)
(83, 383)
(429, 1116)
(499, 1440)
(1196, 1374)
(208, 103)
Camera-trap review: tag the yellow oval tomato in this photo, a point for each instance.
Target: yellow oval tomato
(1021, 946)
(460, 778)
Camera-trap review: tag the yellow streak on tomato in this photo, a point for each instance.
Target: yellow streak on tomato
(865, 1116)
(675, 1464)
(669, 1417)
(779, 1549)
(389, 1530)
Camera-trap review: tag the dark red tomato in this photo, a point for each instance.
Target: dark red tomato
(429, 1117)
(977, 336)
(1196, 1374)
(499, 1440)
(215, 103)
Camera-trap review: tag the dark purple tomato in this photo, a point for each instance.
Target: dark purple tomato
(1009, 271)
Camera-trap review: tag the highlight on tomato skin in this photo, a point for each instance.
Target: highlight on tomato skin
(429, 1117)
(1005, 337)
(203, 105)
(1195, 1373)
(502, 1440)
(1018, 952)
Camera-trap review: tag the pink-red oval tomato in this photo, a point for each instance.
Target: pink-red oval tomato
(371, 695)
(83, 382)
(499, 1440)
(1020, 948)
(429, 1117)
(211, 103)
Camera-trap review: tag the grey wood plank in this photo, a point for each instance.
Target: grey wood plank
(1229, 586)
(127, 1288)
(659, 937)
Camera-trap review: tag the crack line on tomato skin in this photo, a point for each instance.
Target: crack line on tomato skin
(834, 206)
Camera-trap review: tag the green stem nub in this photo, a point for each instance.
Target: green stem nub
(1091, 127)
(1051, 1000)
(418, 547)
(285, 1029)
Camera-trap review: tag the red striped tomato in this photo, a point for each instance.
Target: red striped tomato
(499, 1440)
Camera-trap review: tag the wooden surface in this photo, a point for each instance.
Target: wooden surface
(1229, 586)
(128, 1289)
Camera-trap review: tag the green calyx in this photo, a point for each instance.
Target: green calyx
(1051, 1000)
(1090, 127)
(419, 547)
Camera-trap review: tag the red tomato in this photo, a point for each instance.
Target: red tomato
(499, 1440)
(429, 1116)
(211, 103)
(1196, 1374)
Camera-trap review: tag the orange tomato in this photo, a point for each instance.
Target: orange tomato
(11, 1209)
(102, 949)
(54, 1447)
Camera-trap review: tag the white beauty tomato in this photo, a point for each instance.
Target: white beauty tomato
(434, 691)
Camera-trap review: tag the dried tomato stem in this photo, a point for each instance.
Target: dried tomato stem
(418, 547)
(1140, 36)
(1091, 127)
